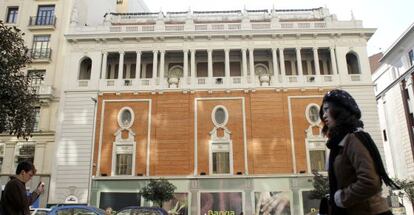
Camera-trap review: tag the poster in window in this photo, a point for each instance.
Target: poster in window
(310, 206)
(272, 203)
(215, 203)
(178, 205)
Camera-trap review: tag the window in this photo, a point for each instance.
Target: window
(36, 78)
(40, 48)
(37, 119)
(352, 64)
(411, 56)
(124, 147)
(25, 152)
(1, 156)
(312, 114)
(85, 69)
(125, 117)
(220, 158)
(316, 154)
(12, 13)
(45, 15)
(317, 160)
(219, 116)
(124, 159)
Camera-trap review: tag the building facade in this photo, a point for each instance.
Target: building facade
(393, 81)
(394, 93)
(44, 23)
(41, 21)
(224, 104)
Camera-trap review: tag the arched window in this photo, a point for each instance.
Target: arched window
(352, 64)
(85, 69)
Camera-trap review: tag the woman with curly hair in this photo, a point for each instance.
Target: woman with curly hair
(355, 168)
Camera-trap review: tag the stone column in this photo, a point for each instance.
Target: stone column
(104, 65)
(121, 65)
(251, 64)
(154, 64)
(193, 65)
(316, 60)
(333, 61)
(162, 67)
(282, 63)
(299, 60)
(227, 66)
(210, 65)
(275, 65)
(244, 63)
(138, 65)
(185, 69)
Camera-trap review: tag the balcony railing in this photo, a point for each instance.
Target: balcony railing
(40, 54)
(45, 92)
(42, 21)
(271, 81)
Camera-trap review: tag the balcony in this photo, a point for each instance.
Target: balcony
(45, 92)
(236, 82)
(42, 22)
(40, 55)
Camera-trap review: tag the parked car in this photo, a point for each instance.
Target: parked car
(76, 210)
(135, 210)
(39, 211)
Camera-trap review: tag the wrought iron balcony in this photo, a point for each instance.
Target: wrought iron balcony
(40, 54)
(47, 21)
(45, 92)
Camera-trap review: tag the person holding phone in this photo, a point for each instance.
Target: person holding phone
(15, 201)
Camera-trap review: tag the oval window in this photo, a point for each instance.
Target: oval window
(220, 116)
(313, 114)
(125, 118)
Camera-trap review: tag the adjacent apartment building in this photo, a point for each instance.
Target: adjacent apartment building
(224, 104)
(41, 21)
(394, 93)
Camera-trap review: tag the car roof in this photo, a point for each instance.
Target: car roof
(145, 208)
(76, 206)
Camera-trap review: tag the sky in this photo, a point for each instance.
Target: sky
(390, 17)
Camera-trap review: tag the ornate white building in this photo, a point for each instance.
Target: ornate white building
(222, 103)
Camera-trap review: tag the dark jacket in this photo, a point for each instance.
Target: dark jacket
(357, 178)
(14, 200)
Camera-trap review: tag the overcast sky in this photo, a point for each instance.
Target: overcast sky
(390, 17)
